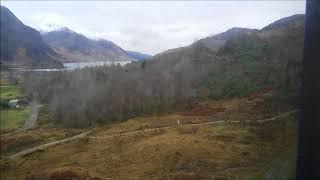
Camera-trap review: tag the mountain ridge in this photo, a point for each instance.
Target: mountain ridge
(241, 62)
(217, 41)
(77, 47)
(138, 56)
(22, 46)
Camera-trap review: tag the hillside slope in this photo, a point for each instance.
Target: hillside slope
(76, 47)
(22, 46)
(189, 151)
(244, 62)
(240, 60)
(138, 56)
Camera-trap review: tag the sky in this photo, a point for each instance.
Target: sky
(151, 27)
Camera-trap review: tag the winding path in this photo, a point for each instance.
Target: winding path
(31, 121)
(130, 132)
(126, 133)
(45, 146)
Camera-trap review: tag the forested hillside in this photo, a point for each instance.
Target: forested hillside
(234, 63)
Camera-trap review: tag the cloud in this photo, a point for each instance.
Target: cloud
(155, 26)
(49, 22)
(177, 29)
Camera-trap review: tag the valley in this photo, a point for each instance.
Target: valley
(78, 107)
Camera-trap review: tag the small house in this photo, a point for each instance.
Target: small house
(13, 103)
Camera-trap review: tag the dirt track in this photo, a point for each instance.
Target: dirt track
(44, 146)
(31, 121)
(196, 124)
(84, 134)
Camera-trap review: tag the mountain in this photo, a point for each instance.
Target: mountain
(138, 56)
(240, 60)
(234, 63)
(279, 28)
(22, 46)
(75, 47)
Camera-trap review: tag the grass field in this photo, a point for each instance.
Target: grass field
(221, 151)
(14, 118)
(204, 152)
(10, 92)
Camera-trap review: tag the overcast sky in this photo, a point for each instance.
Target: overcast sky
(151, 27)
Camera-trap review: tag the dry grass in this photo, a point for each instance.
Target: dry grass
(16, 142)
(222, 151)
(213, 151)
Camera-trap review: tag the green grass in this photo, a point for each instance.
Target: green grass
(8, 92)
(14, 118)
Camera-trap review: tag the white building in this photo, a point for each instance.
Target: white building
(13, 103)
